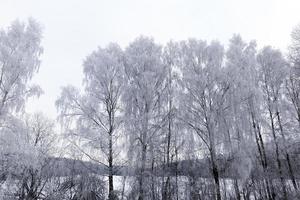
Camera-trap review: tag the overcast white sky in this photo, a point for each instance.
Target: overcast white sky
(74, 28)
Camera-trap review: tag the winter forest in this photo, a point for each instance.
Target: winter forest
(187, 120)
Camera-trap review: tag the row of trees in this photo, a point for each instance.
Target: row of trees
(167, 113)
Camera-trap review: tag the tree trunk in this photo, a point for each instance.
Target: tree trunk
(123, 187)
(291, 172)
(236, 189)
(144, 153)
(166, 188)
(176, 172)
(142, 173)
(110, 168)
(167, 192)
(277, 154)
(153, 179)
(215, 173)
(262, 152)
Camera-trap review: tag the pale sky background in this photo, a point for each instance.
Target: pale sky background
(74, 28)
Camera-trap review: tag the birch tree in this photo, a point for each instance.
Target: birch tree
(241, 63)
(142, 99)
(272, 66)
(170, 56)
(20, 50)
(293, 80)
(93, 117)
(204, 91)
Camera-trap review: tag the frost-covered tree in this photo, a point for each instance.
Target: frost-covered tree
(40, 139)
(293, 81)
(169, 139)
(92, 118)
(20, 50)
(272, 73)
(240, 72)
(203, 98)
(143, 98)
(27, 146)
